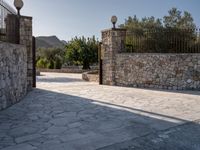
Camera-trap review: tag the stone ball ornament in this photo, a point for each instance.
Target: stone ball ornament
(114, 21)
(18, 5)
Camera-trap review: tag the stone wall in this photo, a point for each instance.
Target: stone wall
(13, 73)
(64, 70)
(19, 30)
(162, 71)
(91, 76)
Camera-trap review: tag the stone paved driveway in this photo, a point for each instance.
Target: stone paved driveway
(66, 113)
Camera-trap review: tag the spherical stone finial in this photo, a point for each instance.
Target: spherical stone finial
(18, 4)
(114, 20)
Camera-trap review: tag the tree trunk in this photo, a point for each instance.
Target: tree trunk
(86, 65)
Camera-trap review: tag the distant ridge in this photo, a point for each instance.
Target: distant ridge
(49, 42)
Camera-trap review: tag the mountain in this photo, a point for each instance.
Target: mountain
(49, 42)
(64, 42)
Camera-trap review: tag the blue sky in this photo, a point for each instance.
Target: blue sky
(69, 18)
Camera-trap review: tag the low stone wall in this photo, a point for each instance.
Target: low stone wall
(13, 74)
(162, 71)
(64, 70)
(91, 76)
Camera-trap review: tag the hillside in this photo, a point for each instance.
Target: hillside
(48, 42)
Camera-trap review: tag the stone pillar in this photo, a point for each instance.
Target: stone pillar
(26, 39)
(113, 42)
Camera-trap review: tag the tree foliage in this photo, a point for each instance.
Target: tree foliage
(78, 51)
(174, 19)
(157, 34)
(177, 19)
(51, 58)
(82, 51)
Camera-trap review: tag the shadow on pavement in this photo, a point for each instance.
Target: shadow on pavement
(47, 120)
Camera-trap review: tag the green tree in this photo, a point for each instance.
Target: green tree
(82, 51)
(174, 19)
(145, 23)
(51, 58)
(182, 25)
(179, 20)
(149, 34)
(42, 63)
(138, 35)
(72, 56)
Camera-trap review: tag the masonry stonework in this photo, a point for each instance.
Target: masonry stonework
(13, 74)
(113, 42)
(26, 39)
(16, 62)
(152, 70)
(161, 71)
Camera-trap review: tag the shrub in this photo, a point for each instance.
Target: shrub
(50, 65)
(41, 63)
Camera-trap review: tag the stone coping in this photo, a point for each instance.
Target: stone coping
(113, 29)
(128, 53)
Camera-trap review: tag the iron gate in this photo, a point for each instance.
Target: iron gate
(100, 64)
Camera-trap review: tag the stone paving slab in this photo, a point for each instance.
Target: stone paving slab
(183, 137)
(66, 113)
